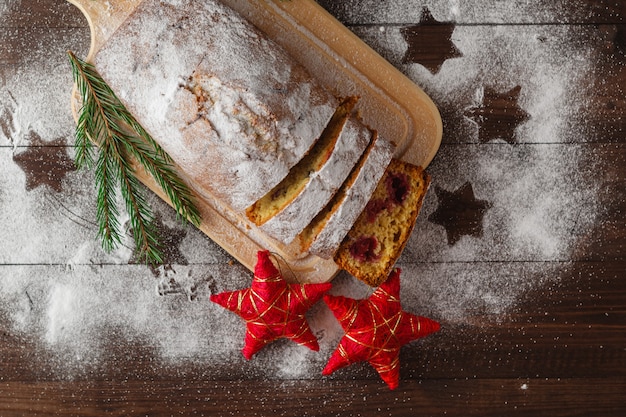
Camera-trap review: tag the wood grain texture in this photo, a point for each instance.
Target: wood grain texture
(473, 397)
(557, 351)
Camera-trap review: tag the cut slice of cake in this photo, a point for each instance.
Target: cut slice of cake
(288, 208)
(381, 232)
(325, 233)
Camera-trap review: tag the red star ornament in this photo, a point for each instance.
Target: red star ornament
(376, 328)
(272, 308)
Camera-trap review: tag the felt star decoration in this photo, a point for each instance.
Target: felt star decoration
(273, 308)
(375, 330)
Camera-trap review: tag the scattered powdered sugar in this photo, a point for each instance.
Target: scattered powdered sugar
(76, 310)
(538, 190)
(71, 300)
(550, 63)
(538, 204)
(31, 102)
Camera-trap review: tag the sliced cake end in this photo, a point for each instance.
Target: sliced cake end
(381, 232)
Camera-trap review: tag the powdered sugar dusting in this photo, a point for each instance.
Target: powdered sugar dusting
(71, 300)
(536, 200)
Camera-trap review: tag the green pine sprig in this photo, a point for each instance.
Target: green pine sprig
(121, 140)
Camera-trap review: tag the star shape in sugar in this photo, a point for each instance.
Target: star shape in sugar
(375, 330)
(459, 212)
(497, 115)
(273, 308)
(44, 163)
(429, 42)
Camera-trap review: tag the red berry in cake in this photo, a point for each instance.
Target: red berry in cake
(364, 249)
(398, 188)
(373, 209)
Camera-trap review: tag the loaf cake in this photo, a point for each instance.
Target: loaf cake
(225, 102)
(288, 208)
(381, 232)
(325, 233)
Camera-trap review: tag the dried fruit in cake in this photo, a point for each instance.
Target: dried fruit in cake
(375, 242)
(290, 206)
(325, 233)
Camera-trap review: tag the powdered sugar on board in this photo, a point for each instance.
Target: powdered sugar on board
(63, 295)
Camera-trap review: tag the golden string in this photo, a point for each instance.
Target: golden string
(279, 258)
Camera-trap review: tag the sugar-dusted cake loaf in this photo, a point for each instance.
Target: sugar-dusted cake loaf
(325, 233)
(381, 232)
(231, 107)
(288, 208)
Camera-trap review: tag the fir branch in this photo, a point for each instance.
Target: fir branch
(121, 140)
(142, 221)
(107, 213)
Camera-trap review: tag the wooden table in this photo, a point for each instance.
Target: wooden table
(519, 250)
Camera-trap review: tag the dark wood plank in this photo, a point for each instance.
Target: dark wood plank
(25, 46)
(571, 328)
(469, 397)
(592, 230)
(401, 12)
(43, 13)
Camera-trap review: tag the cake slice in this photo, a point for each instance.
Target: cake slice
(381, 232)
(290, 206)
(325, 233)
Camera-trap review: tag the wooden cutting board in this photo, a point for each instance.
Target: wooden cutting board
(390, 102)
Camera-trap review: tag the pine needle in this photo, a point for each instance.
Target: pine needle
(121, 141)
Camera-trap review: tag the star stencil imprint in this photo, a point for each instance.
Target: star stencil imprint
(459, 212)
(272, 308)
(429, 42)
(376, 328)
(497, 115)
(44, 163)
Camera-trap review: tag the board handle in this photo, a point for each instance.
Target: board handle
(104, 17)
